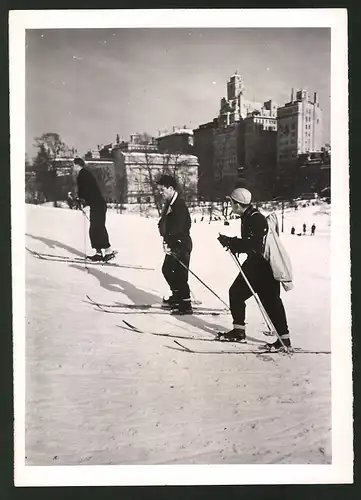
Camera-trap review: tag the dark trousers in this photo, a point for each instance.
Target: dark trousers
(97, 231)
(176, 275)
(259, 273)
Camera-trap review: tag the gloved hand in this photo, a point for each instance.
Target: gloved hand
(166, 248)
(176, 247)
(233, 244)
(224, 240)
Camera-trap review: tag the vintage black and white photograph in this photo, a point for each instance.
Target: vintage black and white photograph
(179, 302)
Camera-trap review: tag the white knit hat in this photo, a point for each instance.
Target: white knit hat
(241, 195)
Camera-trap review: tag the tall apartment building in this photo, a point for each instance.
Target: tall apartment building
(299, 127)
(242, 139)
(236, 106)
(226, 158)
(204, 150)
(260, 150)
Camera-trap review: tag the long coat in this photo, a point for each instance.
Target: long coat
(88, 189)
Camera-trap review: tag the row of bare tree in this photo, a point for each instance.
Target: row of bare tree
(140, 182)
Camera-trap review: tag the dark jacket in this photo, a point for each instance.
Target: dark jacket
(174, 225)
(254, 229)
(88, 189)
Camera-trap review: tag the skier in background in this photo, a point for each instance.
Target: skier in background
(174, 226)
(89, 194)
(313, 229)
(210, 211)
(304, 229)
(293, 230)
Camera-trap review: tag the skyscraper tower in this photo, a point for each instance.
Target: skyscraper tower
(235, 107)
(235, 86)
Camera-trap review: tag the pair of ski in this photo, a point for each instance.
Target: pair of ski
(122, 308)
(248, 348)
(80, 260)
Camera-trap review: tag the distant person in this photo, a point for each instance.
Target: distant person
(89, 194)
(293, 230)
(313, 229)
(174, 226)
(210, 211)
(225, 209)
(304, 229)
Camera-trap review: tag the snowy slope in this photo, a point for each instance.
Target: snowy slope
(99, 393)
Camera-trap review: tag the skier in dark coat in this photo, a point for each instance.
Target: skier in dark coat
(174, 226)
(89, 194)
(257, 269)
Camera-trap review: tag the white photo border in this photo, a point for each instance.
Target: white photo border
(341, 469)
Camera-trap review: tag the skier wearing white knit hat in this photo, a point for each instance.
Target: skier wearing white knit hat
(256, 268)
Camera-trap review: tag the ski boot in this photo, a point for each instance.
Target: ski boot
(109, 255)
(97, 257)
(183, 307)
(277, 346)
(234, 335)
(170, 303)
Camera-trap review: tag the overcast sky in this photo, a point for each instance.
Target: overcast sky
(90, 84)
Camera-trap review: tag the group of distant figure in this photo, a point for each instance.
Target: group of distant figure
(304, 230)
(74, 203)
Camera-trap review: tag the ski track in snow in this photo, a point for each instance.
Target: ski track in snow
(99, 394)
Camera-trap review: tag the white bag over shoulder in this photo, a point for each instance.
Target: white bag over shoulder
(276, 254)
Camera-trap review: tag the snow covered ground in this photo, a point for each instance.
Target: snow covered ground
(99, 393)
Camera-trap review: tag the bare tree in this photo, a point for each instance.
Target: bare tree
(52, 144)
(152, 165)
(106, 178)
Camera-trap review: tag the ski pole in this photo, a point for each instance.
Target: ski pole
(84, 213)
(84, 239)
(260, 305)
(210, 289)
